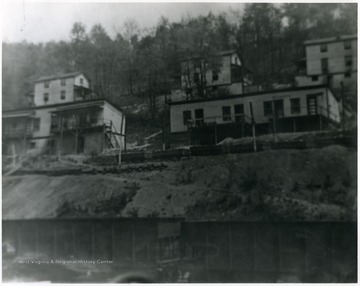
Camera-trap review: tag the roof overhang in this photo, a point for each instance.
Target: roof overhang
(18, 114)
(330, 40)
(97, 105)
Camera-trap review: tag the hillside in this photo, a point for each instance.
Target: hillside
(314, 184)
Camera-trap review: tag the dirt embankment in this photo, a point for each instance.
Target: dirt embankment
(278, 185)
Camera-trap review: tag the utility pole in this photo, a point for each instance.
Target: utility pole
(120, 152)
(61, 134)
(274, 119)
(342, 106)
(253, 125)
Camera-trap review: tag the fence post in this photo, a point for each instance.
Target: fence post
(133, 252)
(92, 242)
(206, 246)
(253, 125)
(254, 247)
(73, 238)
(18, 230)
(37, 239)
(112, 241)
(230, 246)
(55, 241)
(305, 250)
(278, 249)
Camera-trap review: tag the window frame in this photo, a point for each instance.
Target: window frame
(324, 65)
(348, 59)
(199, 120)
(323, 48)
(239, 116)
(46, 97)
(186, 119)
(32, 145)
(63, 95)
(347, 74)
(347, 45)
(226, 113)
(276, 108)
(268, 108)
(295, 108)
(36, 124)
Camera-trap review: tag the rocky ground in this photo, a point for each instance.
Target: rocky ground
(301, 185)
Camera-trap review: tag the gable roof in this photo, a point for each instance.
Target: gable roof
(60, 76)
(196, 57)
(71, 103)
(330, 40)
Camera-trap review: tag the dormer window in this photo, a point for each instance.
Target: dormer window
(46, 84)
(81, 81)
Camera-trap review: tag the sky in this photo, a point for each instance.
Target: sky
(42, 22)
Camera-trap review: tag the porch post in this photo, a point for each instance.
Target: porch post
(215, 133)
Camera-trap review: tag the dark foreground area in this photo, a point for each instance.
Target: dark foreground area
(172, 250)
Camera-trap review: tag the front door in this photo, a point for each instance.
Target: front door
(312, 104)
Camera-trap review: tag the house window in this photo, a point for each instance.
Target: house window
(268, 108)
(215, 75)
(295, 105)
(63, 94)
(186, 117)
(239, 112)
(323, 48)
(314, 78)
(347, 74)
(81, 81)
(347, 45)
(199, 116)
(324, 65)
(36, 124)
(348, 61)
(278, 105)
(32, 145)
(312, 104)
(46, 84)
(46, 97)
(226, 113)
(63, 81)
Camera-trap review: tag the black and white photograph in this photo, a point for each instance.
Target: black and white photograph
(179, 142)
